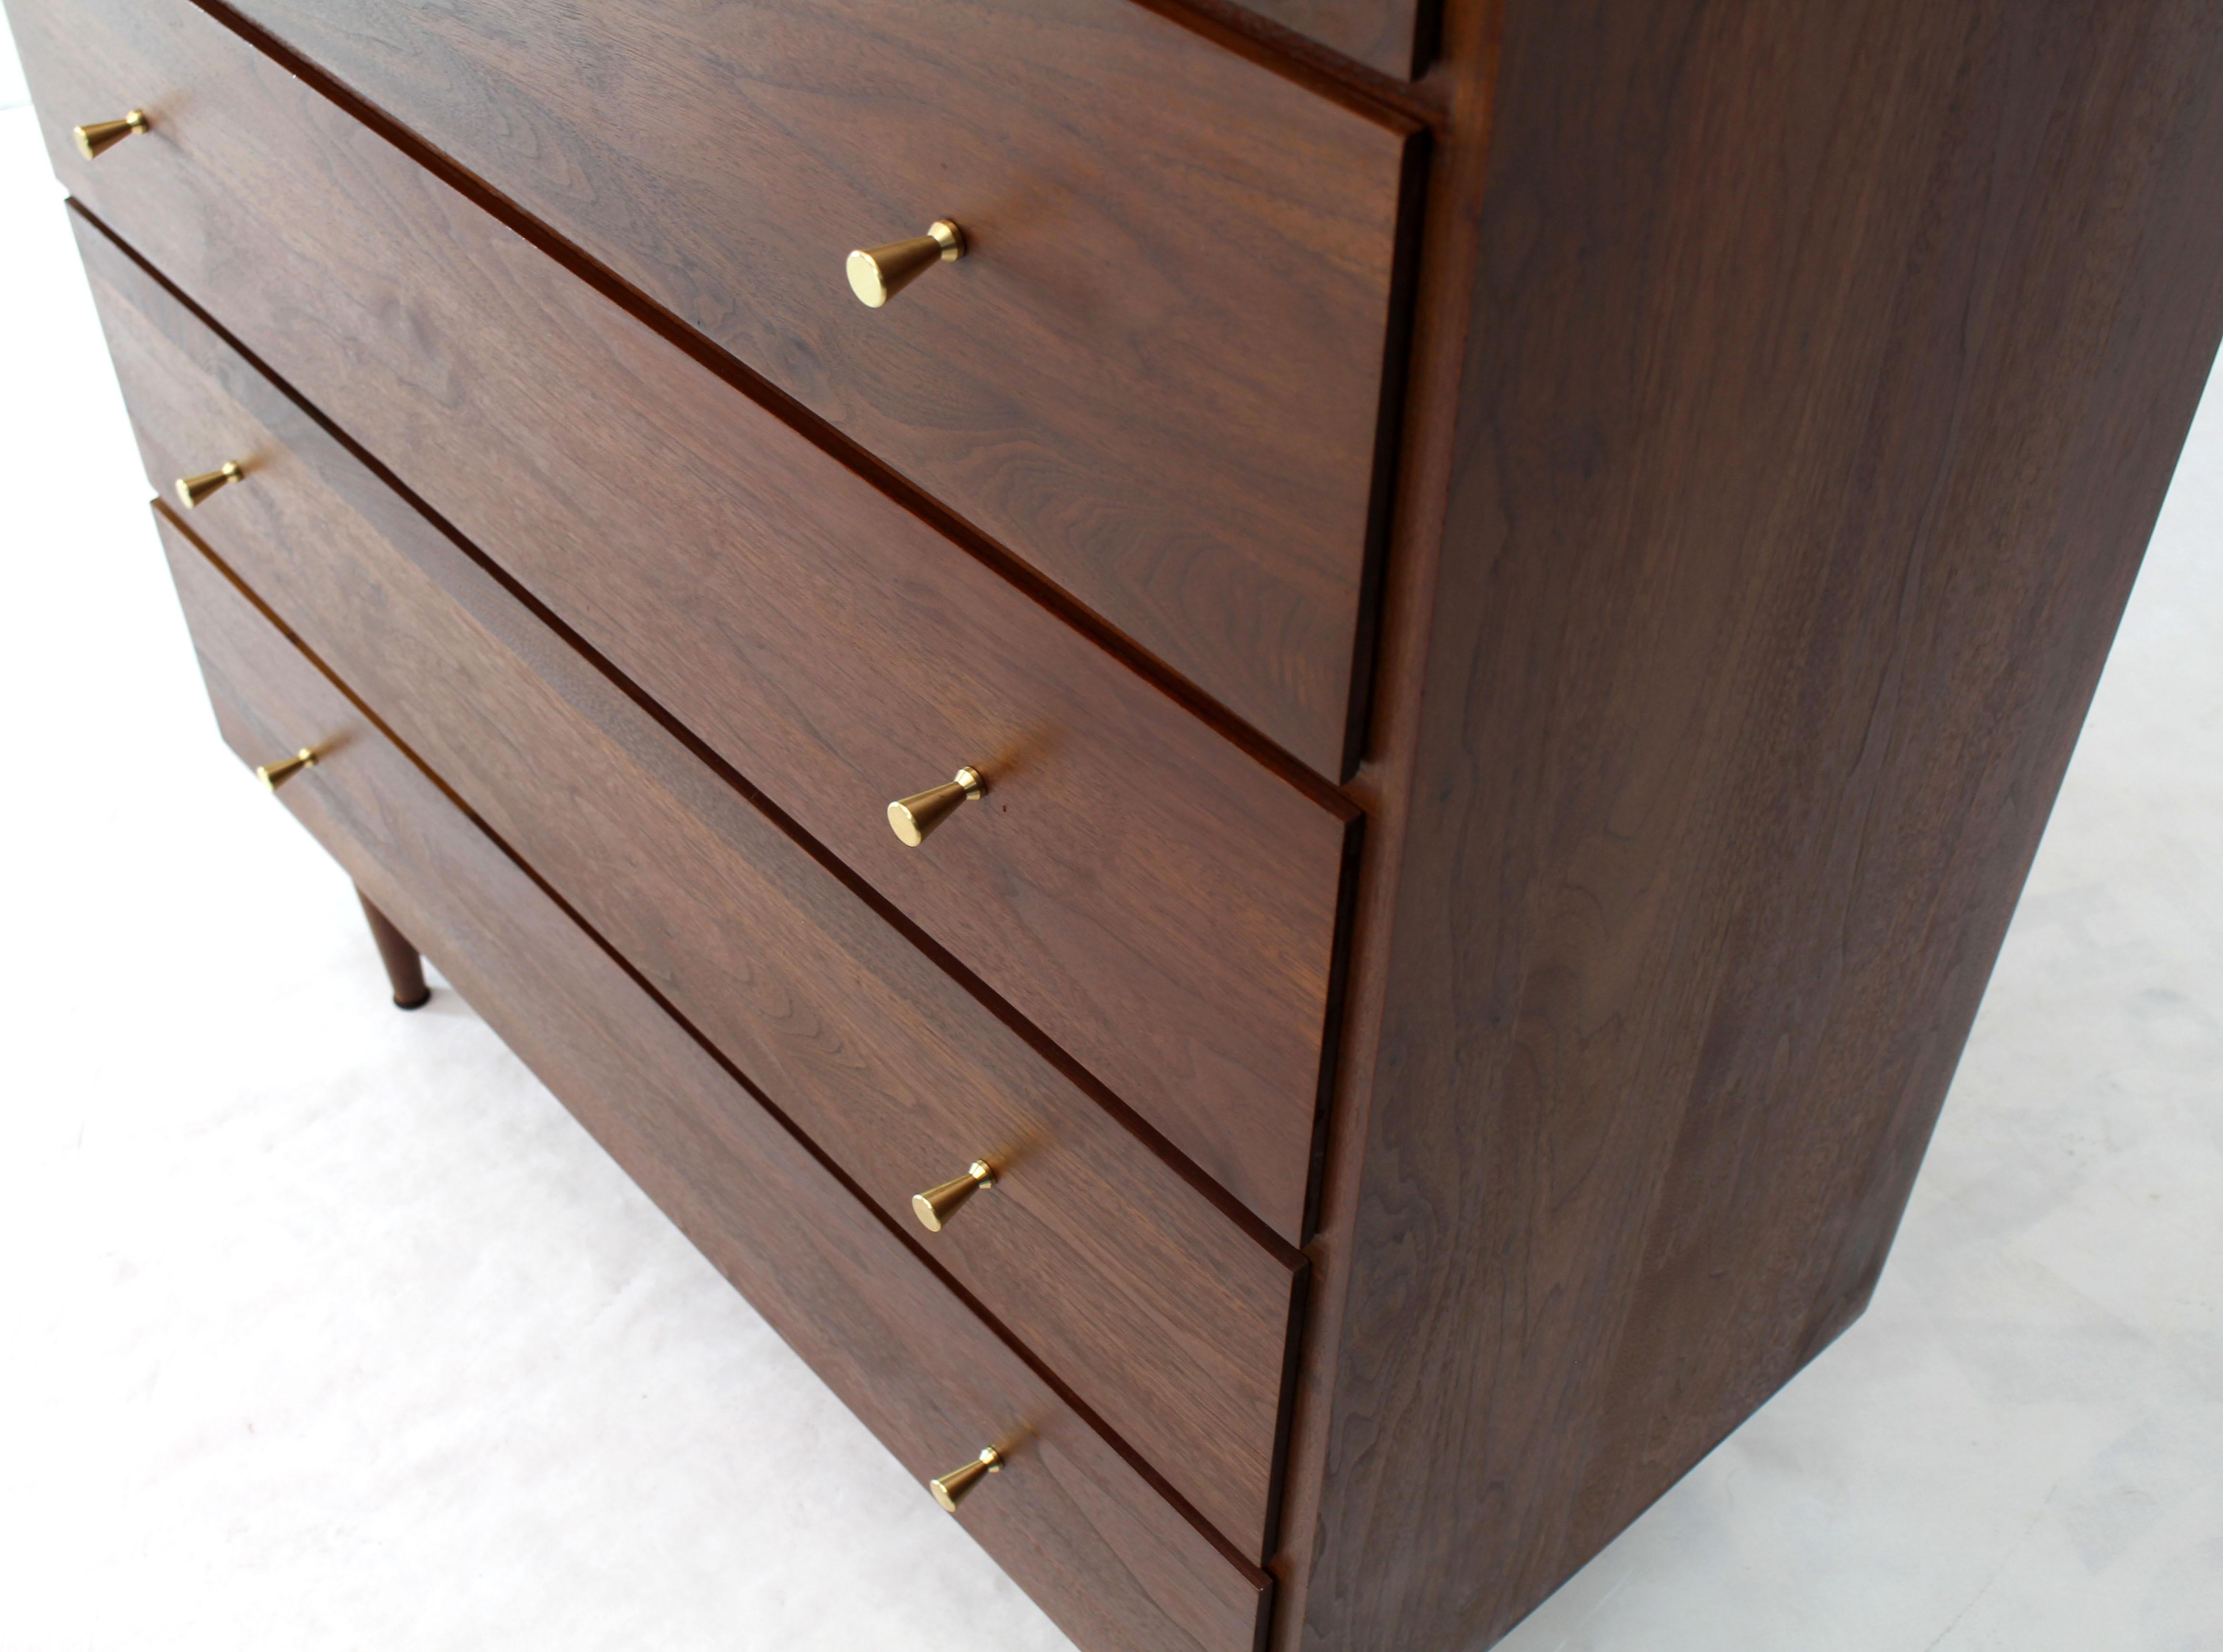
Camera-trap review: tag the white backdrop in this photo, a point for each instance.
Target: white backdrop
(324, 1326)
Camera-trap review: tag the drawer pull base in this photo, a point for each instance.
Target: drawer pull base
(935, 1207)
(951, 1489)
(915, 817)
(878, 274)
(98, 138)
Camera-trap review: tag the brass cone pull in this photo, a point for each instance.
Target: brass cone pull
(274, 775)
(952, 1489)
(935, 1207)
(97, 139)
(916, 816)
(878, 274)
(191, 490)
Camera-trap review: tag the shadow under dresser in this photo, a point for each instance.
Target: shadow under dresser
(1317, 718)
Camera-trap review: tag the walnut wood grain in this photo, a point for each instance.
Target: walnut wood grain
(1801, 406)
(1109, 1559)
(1794, 391)
(1397, 37)
(1156, 377)
(1156, 1308)
(1158, 902)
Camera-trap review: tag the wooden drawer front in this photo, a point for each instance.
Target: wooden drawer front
(1157, 375)
(1162, 1315)
(1105, 1555)
(1158, 902)
(1395, 36)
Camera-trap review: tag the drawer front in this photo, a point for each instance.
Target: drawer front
(1159, 903)
(1159, 1311)
(1157, 375)
(1105, 1555)
(1395, 36)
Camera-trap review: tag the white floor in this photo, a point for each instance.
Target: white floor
(323, 1327)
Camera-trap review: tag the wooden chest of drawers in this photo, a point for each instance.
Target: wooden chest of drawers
(1507, 588)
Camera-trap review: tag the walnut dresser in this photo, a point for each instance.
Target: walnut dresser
(1267, 755)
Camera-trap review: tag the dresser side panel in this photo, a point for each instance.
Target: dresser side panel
(1829, 365)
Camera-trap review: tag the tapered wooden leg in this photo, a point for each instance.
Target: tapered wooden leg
(405, 967)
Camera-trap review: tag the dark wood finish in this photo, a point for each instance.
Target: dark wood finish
(1793, 390)
(1086, 1535)
(1397, 37)
(1157, 375)
(1158, 1311)
(1799, 410)
(1159, 903)
(404, 965)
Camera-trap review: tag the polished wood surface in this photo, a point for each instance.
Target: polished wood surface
(1808, 393)
(404, 964)
(1792, 393)
(1162, 1315)
(1157, 375)
(1397, 37)
(1158, 903)
(1106, 1556)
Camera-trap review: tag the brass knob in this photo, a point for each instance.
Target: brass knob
(274, 775)
(936, 1205)
(191, 490)
(952, 1489)
(916, 816)
(97, 139)
(878, 274)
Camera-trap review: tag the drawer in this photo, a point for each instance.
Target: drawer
(1157, 375)
(1395, 36)
(1161, 1314)
(1158, 902)
(1073, 1525)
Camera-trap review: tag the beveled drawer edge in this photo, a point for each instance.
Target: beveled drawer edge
(1351, 83)
(1386, 481)
(1249, 1570)
(844, 450)
(1247, 1221)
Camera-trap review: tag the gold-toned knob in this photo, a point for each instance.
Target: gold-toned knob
(97, 139)
(191, 490)
(951, 1489)
(936, 1205)
(274, 775)
(916, 816)
(878, 274)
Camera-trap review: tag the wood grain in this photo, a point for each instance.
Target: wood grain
(1114, 1563)
(1826, 368)
(1159, 903)
(1157, 375)
(1797, 387)
(1398, 37)
(1157, 1310)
